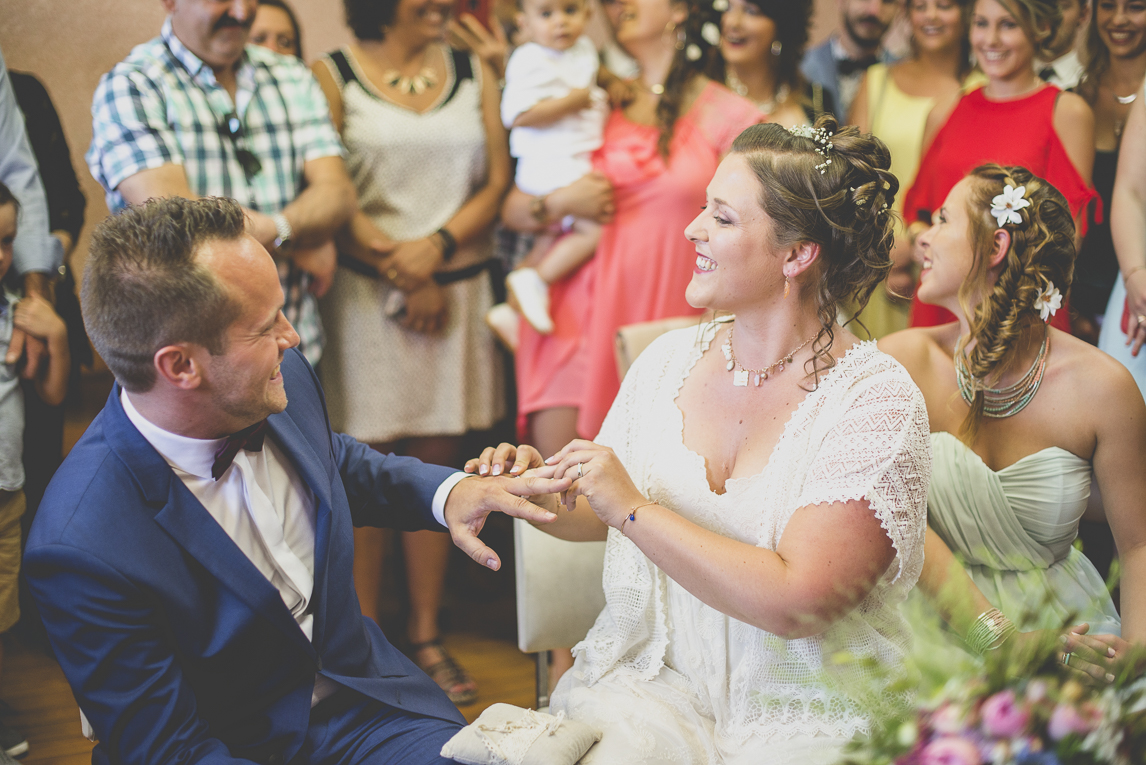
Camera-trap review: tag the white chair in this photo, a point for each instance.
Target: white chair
(558, 594)
(631, 339)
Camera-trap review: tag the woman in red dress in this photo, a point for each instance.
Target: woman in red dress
(1014, 119)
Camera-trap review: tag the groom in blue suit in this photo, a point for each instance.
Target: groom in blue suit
(192, 557)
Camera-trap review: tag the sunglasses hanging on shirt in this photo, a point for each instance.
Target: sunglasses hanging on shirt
(232, 127)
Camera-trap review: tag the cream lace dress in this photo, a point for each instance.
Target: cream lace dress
(669, 679)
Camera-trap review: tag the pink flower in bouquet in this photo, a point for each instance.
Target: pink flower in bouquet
(1002, 716)
(947, 719)
(1067, 719)
(950, 750)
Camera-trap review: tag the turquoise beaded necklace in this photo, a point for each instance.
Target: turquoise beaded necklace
(1004, 402)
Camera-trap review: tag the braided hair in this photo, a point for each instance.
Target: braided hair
(697, 53)
(1041, 251)
(832, 186)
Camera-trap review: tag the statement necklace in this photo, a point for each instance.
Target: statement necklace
(1004, 402)
(740, 374)
(415, 84)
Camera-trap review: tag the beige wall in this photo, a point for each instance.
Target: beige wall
(69, 44)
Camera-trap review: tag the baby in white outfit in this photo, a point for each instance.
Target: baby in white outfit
(556, 113)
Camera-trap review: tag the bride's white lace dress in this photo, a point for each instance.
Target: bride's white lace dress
(669, 679)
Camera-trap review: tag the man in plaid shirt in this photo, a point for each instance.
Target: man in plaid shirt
(195, 112)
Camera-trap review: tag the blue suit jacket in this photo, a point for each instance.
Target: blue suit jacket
(176, 647)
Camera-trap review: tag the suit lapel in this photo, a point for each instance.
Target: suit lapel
(314, 474)
(189, 524)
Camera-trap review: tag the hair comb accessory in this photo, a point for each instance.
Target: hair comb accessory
(821, 137)
(1005, 207)
(1049, 301)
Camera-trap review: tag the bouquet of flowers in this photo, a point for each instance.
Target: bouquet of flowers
(1048, 718)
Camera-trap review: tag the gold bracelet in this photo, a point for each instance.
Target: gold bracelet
(1133, 271)
(632, 516)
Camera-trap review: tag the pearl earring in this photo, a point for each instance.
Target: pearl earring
(777, 46)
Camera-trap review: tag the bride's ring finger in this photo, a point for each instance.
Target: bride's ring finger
(580, 469)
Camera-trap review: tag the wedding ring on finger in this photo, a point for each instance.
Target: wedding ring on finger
(1141, 319)
(1066, 659)
(580, 469)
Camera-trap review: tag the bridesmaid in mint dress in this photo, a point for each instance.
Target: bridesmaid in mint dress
(1022, 415)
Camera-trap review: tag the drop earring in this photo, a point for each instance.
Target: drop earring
(787, 287)
(777, 46)
(680, 38)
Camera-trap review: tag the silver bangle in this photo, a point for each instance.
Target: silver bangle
(990, 630)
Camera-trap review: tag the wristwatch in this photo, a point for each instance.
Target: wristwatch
(283, 240)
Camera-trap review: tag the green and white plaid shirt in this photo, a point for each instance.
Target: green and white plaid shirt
(162, 105)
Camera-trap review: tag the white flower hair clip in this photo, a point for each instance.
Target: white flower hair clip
(821, 137)
(1005, 207)
(720, 6)
(1049, 301)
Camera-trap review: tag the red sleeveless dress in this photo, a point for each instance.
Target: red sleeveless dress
(1018, 132)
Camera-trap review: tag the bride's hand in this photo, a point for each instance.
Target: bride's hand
(599, 476)
(493, 460)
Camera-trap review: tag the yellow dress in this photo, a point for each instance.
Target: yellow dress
(899, 120)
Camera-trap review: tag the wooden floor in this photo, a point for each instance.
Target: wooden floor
(478, 615)
(47, 713)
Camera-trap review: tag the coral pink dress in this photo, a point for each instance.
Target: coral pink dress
(1013, 132)
(643, 262)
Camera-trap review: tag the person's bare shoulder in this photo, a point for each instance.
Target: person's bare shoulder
(1103, 383)
(918, 348)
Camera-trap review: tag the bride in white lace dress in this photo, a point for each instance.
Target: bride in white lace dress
(1022, 416)
(757, 528)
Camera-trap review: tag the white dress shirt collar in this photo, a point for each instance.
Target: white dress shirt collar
(190, 455)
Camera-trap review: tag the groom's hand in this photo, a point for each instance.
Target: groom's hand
(473, 499)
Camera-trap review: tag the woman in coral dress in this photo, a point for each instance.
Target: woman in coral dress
(1014, 119)
(659, 153)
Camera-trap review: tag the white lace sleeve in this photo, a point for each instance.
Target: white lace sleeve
(878, 449)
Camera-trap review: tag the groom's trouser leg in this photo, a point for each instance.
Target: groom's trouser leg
(356, 730)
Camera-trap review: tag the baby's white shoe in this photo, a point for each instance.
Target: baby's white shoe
(532, 294)
(505, 322)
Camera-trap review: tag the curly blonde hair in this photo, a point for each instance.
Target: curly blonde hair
(846, 210)
(1041, 251)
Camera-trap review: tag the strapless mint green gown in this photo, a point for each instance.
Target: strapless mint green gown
(1014, 530)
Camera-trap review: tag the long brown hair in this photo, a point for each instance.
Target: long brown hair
(1041, 252)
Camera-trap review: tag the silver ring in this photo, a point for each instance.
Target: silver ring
(580, 469)
(1066, 659)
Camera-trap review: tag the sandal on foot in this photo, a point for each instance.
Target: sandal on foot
(450, 676)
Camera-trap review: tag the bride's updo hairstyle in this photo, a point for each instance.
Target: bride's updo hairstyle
(833, 189)
(1041, 252)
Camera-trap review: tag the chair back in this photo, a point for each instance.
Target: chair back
(559, 591)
